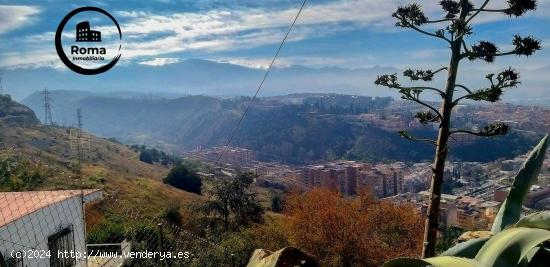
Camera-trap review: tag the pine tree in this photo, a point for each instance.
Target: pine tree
(454, 28)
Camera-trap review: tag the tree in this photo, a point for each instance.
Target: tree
(453, 29)
(146, 156)
(359, 231)
(231, 200)
(276, 202)
(184, 178)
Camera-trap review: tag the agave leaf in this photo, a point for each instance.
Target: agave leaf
(509, 247)
(510, 211)
(539, 220)
(467, 249)
(442, 261)
(540, 258)
(529, 257)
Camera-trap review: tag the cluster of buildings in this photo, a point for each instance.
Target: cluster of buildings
(390, 122)
(537, 198)
(473, 196)
(236, 157)
(466, 212)
(519, 117)
(350, 177)
(474, 213)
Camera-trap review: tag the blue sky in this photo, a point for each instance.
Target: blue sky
(341, 33)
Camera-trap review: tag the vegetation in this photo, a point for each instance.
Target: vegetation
(277, 200)
(172, 214)
(456, 28)
(20, 174)
(232, 203)
(184, 178)
(107, 231)
(448, 237)
(515, 241)
(270, 236)
(352, 232)
(153, 155)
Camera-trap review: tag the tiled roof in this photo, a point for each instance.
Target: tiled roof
(14, 205)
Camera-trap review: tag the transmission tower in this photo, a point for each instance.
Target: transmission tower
(79, 137)
(47, 107)
(80, 141)
(79, 118)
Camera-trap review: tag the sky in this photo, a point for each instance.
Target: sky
(349, 34)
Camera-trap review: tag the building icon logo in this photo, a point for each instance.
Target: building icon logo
(85, 34)
(89, 52)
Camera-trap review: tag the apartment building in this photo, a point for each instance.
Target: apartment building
(350, 177)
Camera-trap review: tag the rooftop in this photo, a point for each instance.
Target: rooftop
(15, 205)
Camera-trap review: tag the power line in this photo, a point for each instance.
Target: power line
(263, 80)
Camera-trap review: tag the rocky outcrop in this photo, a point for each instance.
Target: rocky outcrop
(286, 257)
(13, 113)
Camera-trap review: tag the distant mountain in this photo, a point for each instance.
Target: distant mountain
(297, 128)
(196, 76)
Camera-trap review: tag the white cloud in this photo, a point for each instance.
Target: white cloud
(34, 59)
(427, 54)
(13, 17)
(306, 61)
(160, 61)
(154, 35)
(222, 30)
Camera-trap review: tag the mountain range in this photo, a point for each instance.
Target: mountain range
(195, 76)
(205, 77)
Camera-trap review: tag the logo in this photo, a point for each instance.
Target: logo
(88, 52)
(84, 34)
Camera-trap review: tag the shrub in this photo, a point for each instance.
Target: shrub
(352, 232)
(184, 178)
(107, 231)
(173, 215)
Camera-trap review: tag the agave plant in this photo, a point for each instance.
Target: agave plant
(516, 242)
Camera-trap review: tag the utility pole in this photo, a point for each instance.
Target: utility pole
(47, 107)
(79, 140)
(161, 241)
(79, 137)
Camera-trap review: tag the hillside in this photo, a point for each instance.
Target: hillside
(14, 113)
(107, 165)
(294, 129)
